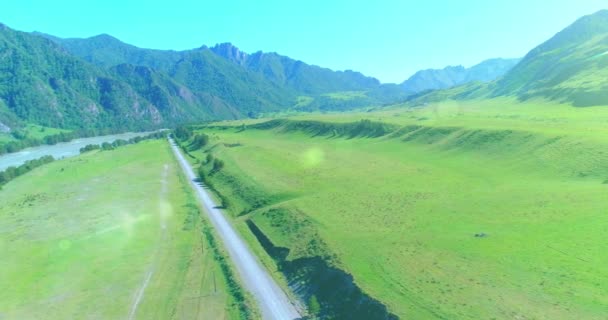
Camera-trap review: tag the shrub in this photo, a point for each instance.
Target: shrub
(218, 165)
(314, 308)
(201, 173)
(200, 140)
(182, 133)
(90, 147)
(106, 146)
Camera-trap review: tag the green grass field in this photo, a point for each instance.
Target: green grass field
(400, 211)
(80, 237)
(33, 131)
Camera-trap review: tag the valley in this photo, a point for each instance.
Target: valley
(285, 190)
(476, 212)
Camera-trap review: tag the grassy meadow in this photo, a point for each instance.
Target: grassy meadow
(82, 237)
(488, 209)
(32, 131)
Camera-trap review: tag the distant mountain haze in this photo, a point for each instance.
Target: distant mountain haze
(451, 76)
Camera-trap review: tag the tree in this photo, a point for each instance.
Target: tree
(119, 143)
(209, 158)
(106, 146)
(218, 165)
(314, 307)
(183, 133)
(225, 202)
(201, 173)
(90, 147)
(200, 140)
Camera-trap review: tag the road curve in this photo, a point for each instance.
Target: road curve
(273, 302)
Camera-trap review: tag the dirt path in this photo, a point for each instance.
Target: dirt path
(273, 302)
(164, 212)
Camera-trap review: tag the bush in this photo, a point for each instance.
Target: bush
(200, 140)
(218, 165)
(106, 146)
(182, 133)
(201, 173)
(314, 308)
(90, 147)
(13, 172)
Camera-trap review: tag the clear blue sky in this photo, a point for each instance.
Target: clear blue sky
(386, 39)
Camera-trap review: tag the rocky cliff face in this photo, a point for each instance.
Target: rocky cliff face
(231, 52)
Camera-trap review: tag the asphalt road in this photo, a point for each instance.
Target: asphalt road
(272, 301)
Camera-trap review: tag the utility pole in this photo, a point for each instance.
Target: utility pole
(214, 287)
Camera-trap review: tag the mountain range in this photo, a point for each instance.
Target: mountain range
(571, 68)
(451, 76)
(102, 82)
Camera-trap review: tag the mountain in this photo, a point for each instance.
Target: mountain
(208, 76)
(295, 74)
(245, 83)
(451, 76)
(118, 86)
(570, 67)
(40, 82)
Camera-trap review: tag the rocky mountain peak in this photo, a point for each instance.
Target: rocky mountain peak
(230, 52)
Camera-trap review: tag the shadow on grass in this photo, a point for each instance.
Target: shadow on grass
(339, 296)
(349, 130)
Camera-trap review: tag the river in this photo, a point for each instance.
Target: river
(60, 150)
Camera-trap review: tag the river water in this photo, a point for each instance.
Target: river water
(60, 150)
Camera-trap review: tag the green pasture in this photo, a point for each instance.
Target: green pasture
(81, 237)
(481, 210)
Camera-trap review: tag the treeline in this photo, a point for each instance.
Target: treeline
(121, 142)
(188, 141)
(23, 141)
(182, 133)
(13, 172)
(203, 174)
(182, 136)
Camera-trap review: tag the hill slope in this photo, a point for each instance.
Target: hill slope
(124, 87)
(40, 82)
(570, 67)
(228, 89)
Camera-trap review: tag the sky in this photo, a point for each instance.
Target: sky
(386, 39)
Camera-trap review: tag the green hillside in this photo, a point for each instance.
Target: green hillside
(314, 81)
(41, 83)
(247, 84)
(571, 67)
(103, 83)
